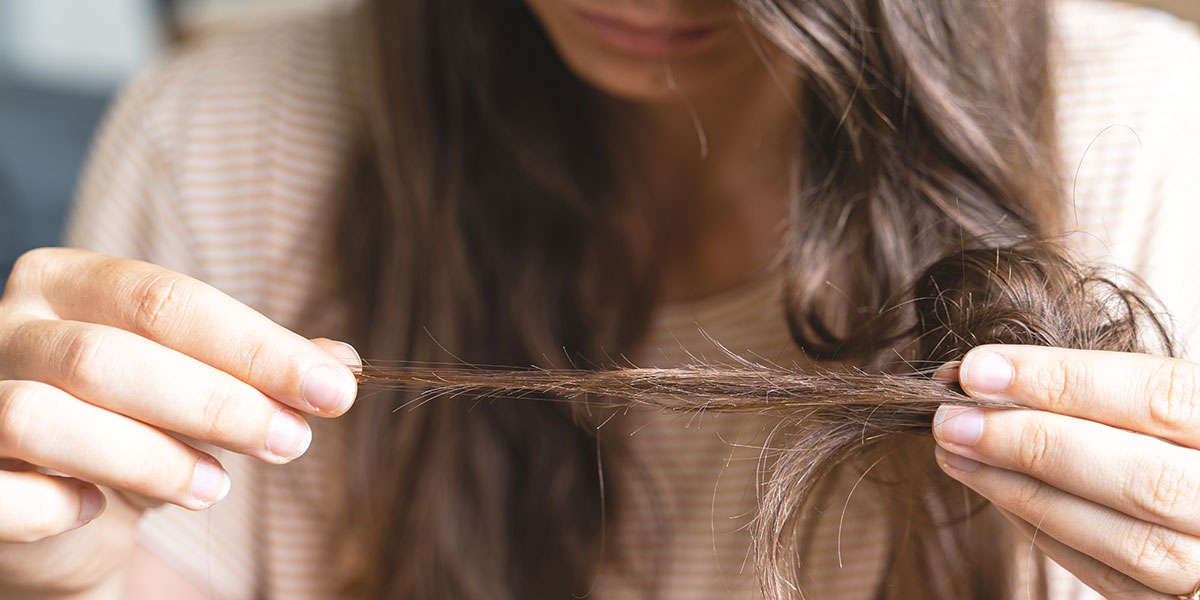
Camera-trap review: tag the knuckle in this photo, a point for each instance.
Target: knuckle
(1167, 492)
(1033, 446)
(1113, 581)
(1060, 382)
(1172, 397)
(80, 367)
(219, 419)
(262, 364)
(1156, 550)
(41, 521)
(159, 299)
(257, 361)
(1026, 495)
(17, 406)
(146, 474)
(29, 267)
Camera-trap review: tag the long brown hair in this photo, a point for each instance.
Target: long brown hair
(481, 226)
(826, 417)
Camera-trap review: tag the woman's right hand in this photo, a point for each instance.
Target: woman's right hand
(101, 359)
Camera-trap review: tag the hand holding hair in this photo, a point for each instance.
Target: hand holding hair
(1103, 473)
(100, 359)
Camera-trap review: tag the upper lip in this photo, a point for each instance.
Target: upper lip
(649, 28)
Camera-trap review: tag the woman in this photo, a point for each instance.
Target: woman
(562, 181)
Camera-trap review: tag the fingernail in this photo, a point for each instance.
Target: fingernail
(328, 390)
(986, 372)
(959, 425)
(947, 373)
(288, 436)
(91, 503)
(210, 483)
(348, 355)
(951, 461)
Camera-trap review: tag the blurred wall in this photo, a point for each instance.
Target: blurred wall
(1188, 9)
(60, 62)
(76, 44)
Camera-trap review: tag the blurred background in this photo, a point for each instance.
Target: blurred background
(61, 61)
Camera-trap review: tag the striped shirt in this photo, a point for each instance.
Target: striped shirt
(221, 161)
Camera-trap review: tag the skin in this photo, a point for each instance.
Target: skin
(1104, 461)
(1102, 472)
(118, 352)
(99, 359)
(716, 216)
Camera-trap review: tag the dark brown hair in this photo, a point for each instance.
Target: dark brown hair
(831, 416)
(482, 225)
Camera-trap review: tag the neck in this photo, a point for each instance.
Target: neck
(709, 173)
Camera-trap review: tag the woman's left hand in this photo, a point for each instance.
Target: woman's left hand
(1103, 474)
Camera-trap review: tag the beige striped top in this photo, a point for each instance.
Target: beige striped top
(220, 163)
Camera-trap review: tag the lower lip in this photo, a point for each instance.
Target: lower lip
(642, 42)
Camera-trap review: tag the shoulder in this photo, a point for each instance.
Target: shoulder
(1111, 26)
(253, 74)
(1118, 64)
(231, 104)
(1129, 88)
(1128, 82)
(250, 128)
(1121, 61)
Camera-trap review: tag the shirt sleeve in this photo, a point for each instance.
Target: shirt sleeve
(127, 206)
(1130, 123)
(1170, 257)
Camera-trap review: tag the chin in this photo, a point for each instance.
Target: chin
(631, 56)
(639, 82)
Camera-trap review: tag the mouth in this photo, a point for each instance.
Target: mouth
(661, 39)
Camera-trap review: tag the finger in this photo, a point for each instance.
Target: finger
(1143, 477)
(137, 501)
(1161, 558)
(44, 425)
(128, 374)
(341, 351)
(191, 317)
(1102, 578)
(1092, 384)
(34, 506)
